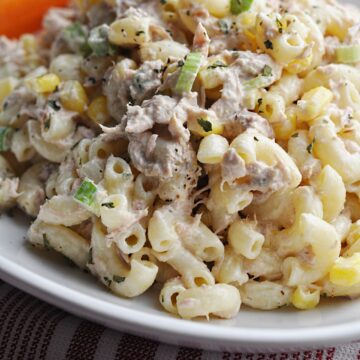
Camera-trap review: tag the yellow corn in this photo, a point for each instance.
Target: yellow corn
(354, 234)
(299, 65)
(284, 130)
(346, 271)
(98, 111)
(7, 86)
(73, 96)
(205, 126)
(45, 84)
(313, 103)
(305, 298)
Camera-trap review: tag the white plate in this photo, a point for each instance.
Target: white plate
(52, 279)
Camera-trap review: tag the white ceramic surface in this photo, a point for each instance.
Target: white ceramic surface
(50, 278)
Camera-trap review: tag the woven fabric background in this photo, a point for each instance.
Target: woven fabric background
(33, 330)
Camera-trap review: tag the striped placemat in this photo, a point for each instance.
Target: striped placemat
(31, 329)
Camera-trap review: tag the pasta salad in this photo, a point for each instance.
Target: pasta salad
(210, 147)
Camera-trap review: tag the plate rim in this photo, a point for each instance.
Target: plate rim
(169, 329)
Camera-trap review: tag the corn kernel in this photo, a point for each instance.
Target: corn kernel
(218, 8)
(346, 271)
(45, 84)
(98, 111)
(129, 31)
(299, 65)
(354, 234)
(313, 103)
(284, 130)
(212, 149)
(7, 86)
(73, 96)
(205, 126)
(305, 298)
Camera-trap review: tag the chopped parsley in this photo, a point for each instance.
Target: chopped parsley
(239, 6)
(217, 64)
(6, 105)
(107, 281)
(295, 135)
(46, 243)
(54, 105)
(205, 124)
(109, 205)
(90, 257)
(268, 44)
(162, 298)
(118, 279)
(255, 138)
(260, 101)
(224, 26)
(310, 147)
(267, 71)
(138, 33)
(279, 25)
(77, 36)
(47, 123)
(162, 2)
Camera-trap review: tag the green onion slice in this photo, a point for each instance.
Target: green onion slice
(99, 43)
(188, 72)
(5, 138)
(348, 54)
(86, 193)
(239, 6)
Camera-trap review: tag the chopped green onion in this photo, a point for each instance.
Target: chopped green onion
(99, 43)
(77, 38)
(86, 193)
(188, 72)
(239, 6)
(5, 137)
(267, 71)
(348, 54)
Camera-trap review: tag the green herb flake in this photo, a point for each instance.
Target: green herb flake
(224, 26)
(118, 279)
(75, 34)
(269, 45)
(46, 243)
(279, 25)
(162, 298)
(109, 205)
(163, 2)
(255, 138)
(107, 281)
(259, 102)
(90, 257)
(310, 147)
(47, 123)
(267, 71)
(295, 135)
(5, 138)
(54, 105)
(138, 33)
(217, 64)
(205, 124)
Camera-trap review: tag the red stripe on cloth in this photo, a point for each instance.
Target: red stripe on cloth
(33, 304)
(358, 355)
(132, 347)
(330, 353)
(319, 354)
(53, 323)
(26, 346)
(284, 356)
(10, 313)
(84, 342)
(189, 354)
